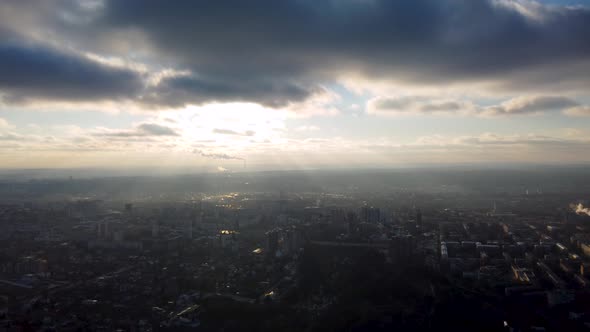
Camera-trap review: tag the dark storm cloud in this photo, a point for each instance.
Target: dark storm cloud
(419, 41)
(34, 72)
(182, 90)
(279, 52)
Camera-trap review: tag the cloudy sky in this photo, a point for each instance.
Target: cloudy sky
(293, 84)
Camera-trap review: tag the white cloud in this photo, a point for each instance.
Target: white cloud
(529, 105)
(307, 128)
(425, 105)
(147, 129)
(578, 111)
(320, 104)
(415, 105)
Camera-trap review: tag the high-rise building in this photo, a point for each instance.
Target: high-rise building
(272, 242)
(188, 228)
(353, 222)
(370, 214)
(104, 229)
(197, 218)
(337, 216)
(228, 239)
(418, 218)
(292, 241)
(402, 248)
(155, 228)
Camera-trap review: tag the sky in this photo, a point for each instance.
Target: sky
(245, 85)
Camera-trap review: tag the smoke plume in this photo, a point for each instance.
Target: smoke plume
(221, 156)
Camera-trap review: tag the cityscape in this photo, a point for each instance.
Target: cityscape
(378, 251)
(295, 165)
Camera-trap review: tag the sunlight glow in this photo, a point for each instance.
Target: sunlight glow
(229, 123)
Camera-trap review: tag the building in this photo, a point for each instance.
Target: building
(284, 241)
(370, 214)
(228, 239)
(353, 222)
(155, 228)
(128, 207)
(188, 228)
(418, 218)
(272, 242)
(402, 248)
(104, 229)
(338, 216)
